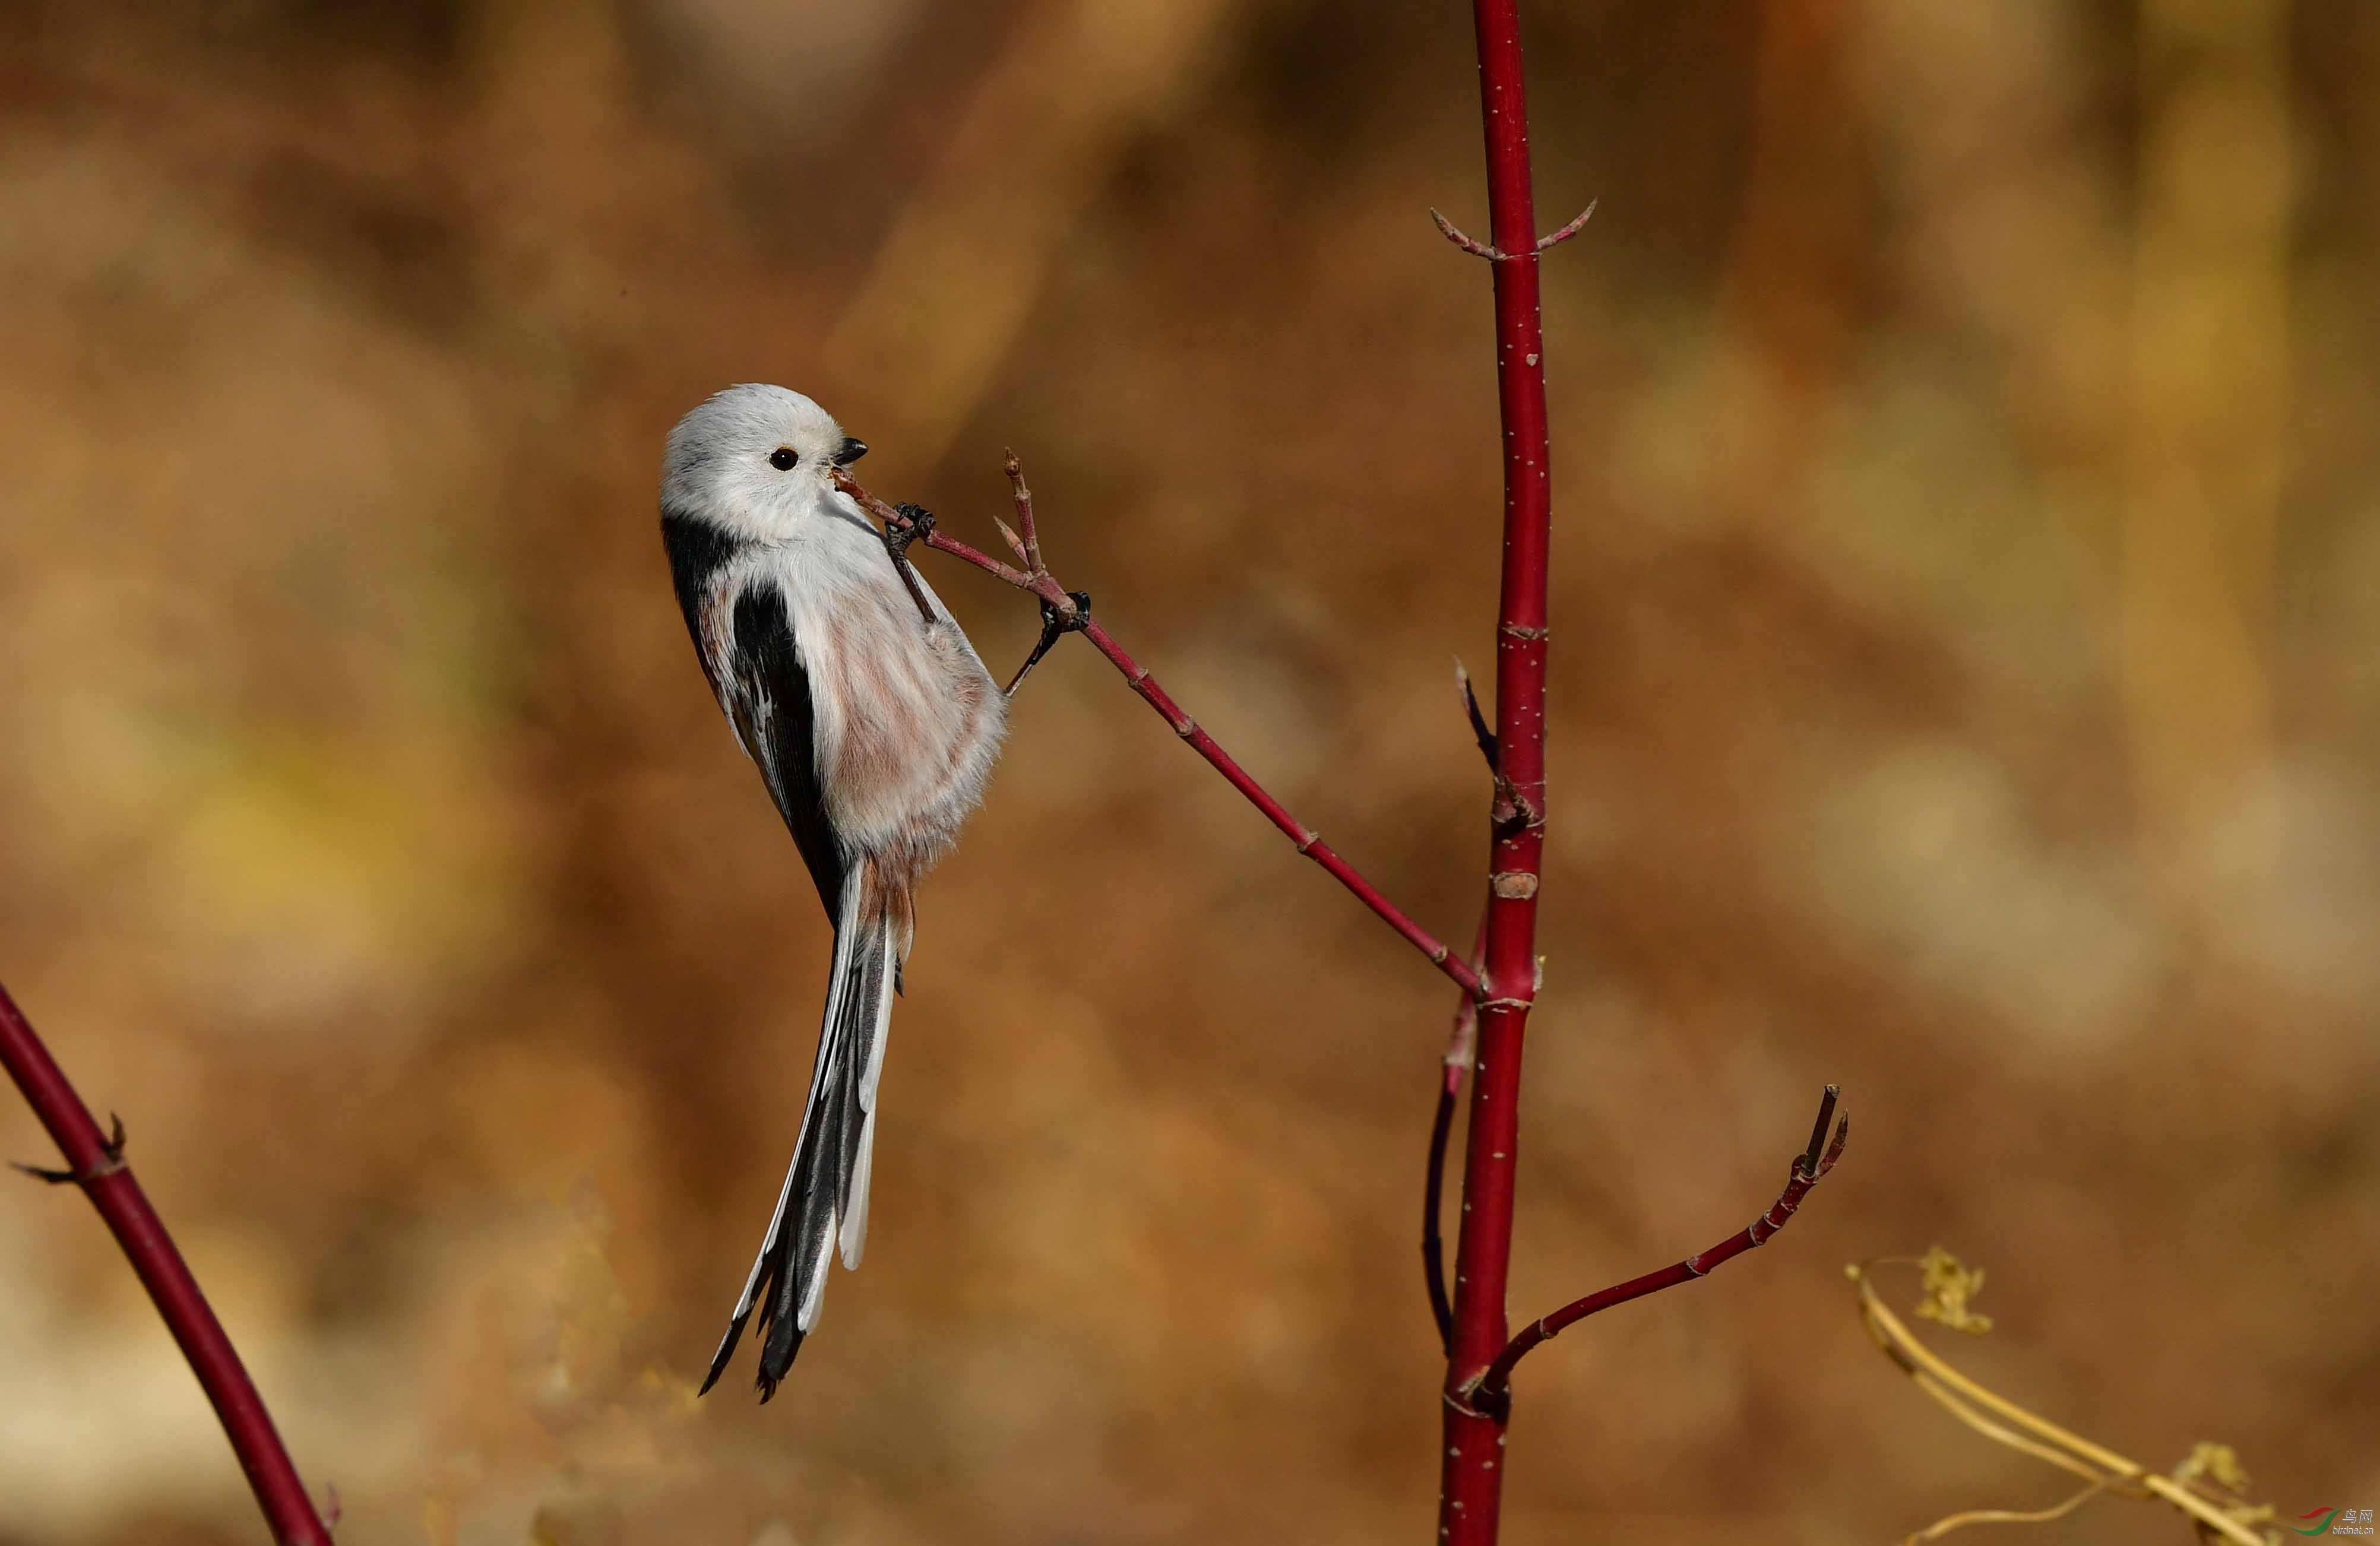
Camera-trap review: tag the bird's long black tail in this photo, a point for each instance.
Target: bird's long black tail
(826, 1187)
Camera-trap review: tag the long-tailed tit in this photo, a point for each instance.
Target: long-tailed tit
(874, 725)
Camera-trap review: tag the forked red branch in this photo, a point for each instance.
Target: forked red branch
(96, 1163)
(1492, 1394)
(1068, 611)
(1471, 1449)
(1480, 1350)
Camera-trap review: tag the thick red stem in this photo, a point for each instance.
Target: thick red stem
(1472, 1470)
(98, 1168)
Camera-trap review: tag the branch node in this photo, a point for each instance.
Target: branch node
(110, 1161)
(1514, 884)
(1057, 622)
(1516, 631)
(1471, 1401)
(1447, 229)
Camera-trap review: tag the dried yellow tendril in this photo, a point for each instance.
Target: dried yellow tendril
(1949, 1283)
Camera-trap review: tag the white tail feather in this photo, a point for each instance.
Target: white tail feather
(878, 1032)
(824, 1198)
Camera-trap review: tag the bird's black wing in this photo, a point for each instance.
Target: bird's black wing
(697, 551)
(746, 643)
(769, 695)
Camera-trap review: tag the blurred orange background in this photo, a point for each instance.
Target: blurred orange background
(1966, 688)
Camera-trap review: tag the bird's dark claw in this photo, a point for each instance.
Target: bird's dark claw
(921, 525)
(1055, 625)
(918, 522)
(1055, 622)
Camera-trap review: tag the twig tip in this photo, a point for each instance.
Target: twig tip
(1447, 229)
(1567, 232)
(1015, 543)
(1835, 1150)
(1815, 1149)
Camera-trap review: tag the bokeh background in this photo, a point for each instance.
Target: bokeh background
(1967, 689)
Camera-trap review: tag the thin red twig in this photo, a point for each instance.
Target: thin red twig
(1471, 1450)
(1462, 1050)
(1433, 1199)
(1507, 808)
(1068, 611)
(1031, 549)
(1460, 1045)
(96, 1163)
(1480, 732)
(1493, 1391)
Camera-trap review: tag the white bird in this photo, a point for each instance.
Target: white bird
(875, 727)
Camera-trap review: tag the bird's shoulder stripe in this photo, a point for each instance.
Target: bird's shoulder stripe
(698, 552)
(768, 689)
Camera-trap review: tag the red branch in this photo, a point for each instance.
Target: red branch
(96, 1163)
(1471, 1452)
(1066, 611)
(1493, 1391)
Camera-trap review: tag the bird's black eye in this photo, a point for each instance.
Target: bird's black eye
(782, 459)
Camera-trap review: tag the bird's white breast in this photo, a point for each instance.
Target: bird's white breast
(907, 722)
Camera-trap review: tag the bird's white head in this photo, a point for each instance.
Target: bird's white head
(757, 462)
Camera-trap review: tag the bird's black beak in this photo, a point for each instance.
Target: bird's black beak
(852, 452)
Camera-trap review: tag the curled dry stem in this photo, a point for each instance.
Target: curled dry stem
(2006, 1423)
